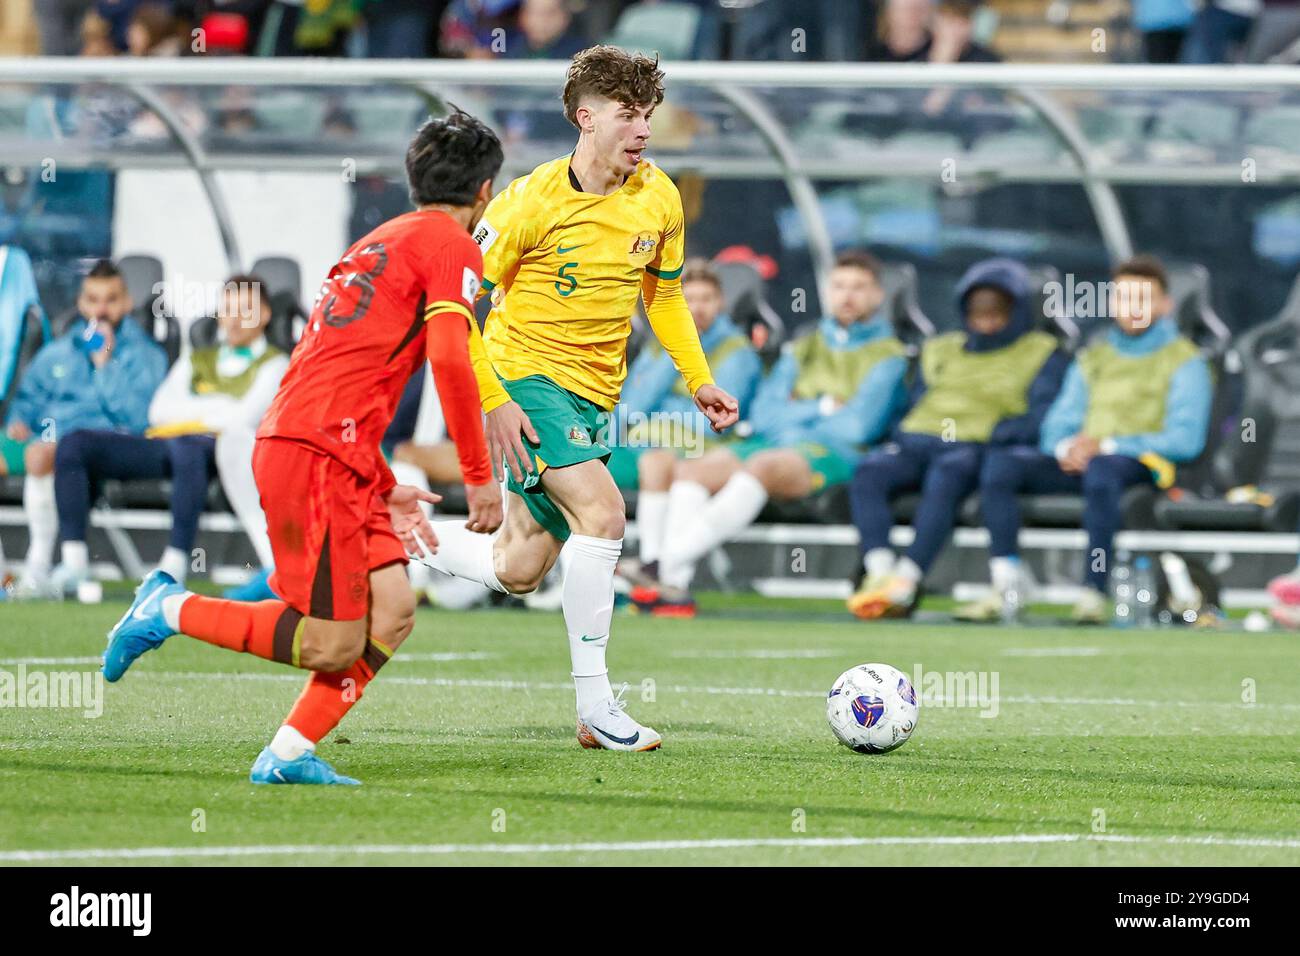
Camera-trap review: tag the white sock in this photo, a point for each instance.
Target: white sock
(686, 501)
(171, 609)
(42, 523)
(908, 570)
(464, 554)
(1004, 572)
(651, 522)
(234, 456)
(75, 556)
(454, 594)
(729, 512)
(878, 562)
(588, 605)
(289, 743)
(175, 562)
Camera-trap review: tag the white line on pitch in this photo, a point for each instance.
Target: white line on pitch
(445, 849)
(720, 691)
(1051, 651)
(758, 654)
(446, 656)
(52, 660)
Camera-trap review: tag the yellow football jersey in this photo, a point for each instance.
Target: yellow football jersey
(564, 268)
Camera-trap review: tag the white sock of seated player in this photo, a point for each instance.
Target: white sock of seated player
(588, 603)
(1004, 573)
(729, 512)
(464, 554)
(42, 524)
(651, 522)
(686, 499)
(176, 563)
(75, 556)
(878, 562)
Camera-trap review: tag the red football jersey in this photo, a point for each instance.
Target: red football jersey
(366, 335)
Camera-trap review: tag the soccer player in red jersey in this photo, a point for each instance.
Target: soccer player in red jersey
(340, 526)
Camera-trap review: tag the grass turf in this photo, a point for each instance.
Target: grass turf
(1111, 747)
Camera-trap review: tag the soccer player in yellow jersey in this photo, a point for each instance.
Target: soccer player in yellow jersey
(566, 251)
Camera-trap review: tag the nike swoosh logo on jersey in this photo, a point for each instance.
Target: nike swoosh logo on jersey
(564, 250)
(587, 640)
(625, 741)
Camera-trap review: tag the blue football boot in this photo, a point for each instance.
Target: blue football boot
(143, 627)
(306, 768)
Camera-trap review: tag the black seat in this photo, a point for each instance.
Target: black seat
(903, 306)
(1262, 446)
(283, 278)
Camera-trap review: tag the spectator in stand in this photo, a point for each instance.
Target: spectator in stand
(952, 30)
(399, 29)
(668, 424)
(478, 29)
(546, 32)
(1163, 25)
(988, 385)
(903, 32)
(1219, 30)
(202, 420)
(99, 374)
(1134, 402)
(154, 31)
(834, 391)
(118, 13)
(96, 36)
(59, 23)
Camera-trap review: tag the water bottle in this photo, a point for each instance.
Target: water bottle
(1121, 585)
(1144, 592)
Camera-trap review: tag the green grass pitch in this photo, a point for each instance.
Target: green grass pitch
(1102, 747)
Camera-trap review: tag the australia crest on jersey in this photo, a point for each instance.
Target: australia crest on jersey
(643, 248)
(578, 436)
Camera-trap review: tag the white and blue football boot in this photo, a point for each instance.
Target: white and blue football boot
(608, 727)
(305, 768)
(143, 627)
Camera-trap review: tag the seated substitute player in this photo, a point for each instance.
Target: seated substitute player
(1138, 396)
(834, 391)
(568, 249)
(667, 423)
(339, 524)
(202, 419)
(99, 374)
(985, 386)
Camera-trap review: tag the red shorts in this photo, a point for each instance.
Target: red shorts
(328, 530)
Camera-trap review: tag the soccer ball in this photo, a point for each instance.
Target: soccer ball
(872, 708)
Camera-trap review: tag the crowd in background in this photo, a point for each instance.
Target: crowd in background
(1190, 31)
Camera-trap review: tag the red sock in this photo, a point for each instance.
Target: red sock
(327, 697)
(267, 629)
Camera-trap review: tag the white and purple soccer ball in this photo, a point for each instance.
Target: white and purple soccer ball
(872, 708)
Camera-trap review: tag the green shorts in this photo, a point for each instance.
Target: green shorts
(570, 428)
(11, 453)
(829, 467)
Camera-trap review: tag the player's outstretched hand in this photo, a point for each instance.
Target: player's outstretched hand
(409, 522)
(485, 514)
(504, 426)
(722, 410)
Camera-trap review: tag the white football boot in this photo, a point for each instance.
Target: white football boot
(607, 726)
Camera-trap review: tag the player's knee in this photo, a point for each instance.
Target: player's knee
(333, 652)
(394, 623)
(520, 579)
(332, 658)
(606, 520)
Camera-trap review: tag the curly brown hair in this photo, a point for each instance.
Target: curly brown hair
(628, 78)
